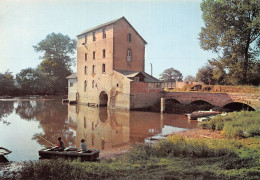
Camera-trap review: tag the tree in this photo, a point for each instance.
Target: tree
(189, 78)
(205, 74)
(171, 74)
(35, 81)
(232, 30)
(58, 50)
(6, 83)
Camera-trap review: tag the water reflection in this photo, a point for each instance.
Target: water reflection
(38, 122)
(104, 128)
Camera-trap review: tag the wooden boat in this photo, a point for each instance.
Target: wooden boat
(70, 153)
(199, 114)
(4, 151)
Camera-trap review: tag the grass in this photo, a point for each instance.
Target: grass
(236, 124)
(174, 158)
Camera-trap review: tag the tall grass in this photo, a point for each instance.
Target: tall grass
(178, 146)
(236, 124)
(174, 158)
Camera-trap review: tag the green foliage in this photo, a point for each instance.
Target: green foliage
(205, 74)
(177, 146)
(171, 74)
(58, 50)
(34, 81)
(232, 30)
(236, 124)
(175, 158)
(189, 78)
(6, 83)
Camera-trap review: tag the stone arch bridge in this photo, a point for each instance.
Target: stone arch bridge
(215, 99)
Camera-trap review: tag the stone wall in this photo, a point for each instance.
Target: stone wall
(143, 96)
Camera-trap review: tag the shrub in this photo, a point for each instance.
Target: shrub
(236, 124)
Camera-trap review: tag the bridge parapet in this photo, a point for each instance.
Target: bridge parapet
(216, 99)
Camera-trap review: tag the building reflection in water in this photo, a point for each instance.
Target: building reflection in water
(104, 128)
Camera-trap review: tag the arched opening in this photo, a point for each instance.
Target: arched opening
(236, 106)
(103, 98)
(201, 105)
(172, 105)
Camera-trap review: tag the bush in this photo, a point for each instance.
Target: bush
(236, 124)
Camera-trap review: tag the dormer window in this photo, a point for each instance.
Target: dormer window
(104, 33)
(94, 36)
(136, 79)
(129, 37)
(129, 55)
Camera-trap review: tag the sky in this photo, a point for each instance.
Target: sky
(170, 27)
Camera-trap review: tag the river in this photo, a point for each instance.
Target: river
(33, 123)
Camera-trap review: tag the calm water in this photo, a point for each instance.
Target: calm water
(30, 122)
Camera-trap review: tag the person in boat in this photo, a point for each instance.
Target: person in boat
(61, 145)
(83, 145)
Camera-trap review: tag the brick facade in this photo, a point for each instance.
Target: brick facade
(100, 56)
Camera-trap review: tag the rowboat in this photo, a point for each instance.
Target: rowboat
(4, 151)
(70, 153)
(199, 114)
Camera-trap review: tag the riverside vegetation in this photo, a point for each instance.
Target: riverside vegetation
(175, 158)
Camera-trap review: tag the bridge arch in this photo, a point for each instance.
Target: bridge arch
(238, 106)
(200, 102)
(103, 99)
(172, 101)
(201, 105)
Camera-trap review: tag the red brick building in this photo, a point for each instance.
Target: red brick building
(110, 68)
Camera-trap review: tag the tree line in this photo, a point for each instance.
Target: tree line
(232, 31)
(49, 77)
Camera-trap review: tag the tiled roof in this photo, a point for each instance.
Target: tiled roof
(130, 74)
(72, 76)
(108, 23)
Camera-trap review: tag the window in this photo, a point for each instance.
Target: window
(93, 84)
(103, 68)
(86, 56)
(129, 55)
(85, 86)
(104, 53)
(136, 79)
(94, 55)
(85, 70)
(129, 37)
(93, 69)
(86, 38)
(104, 33)
(71, 84)
(94, 36)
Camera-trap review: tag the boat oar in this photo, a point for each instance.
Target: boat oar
(47, 141)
